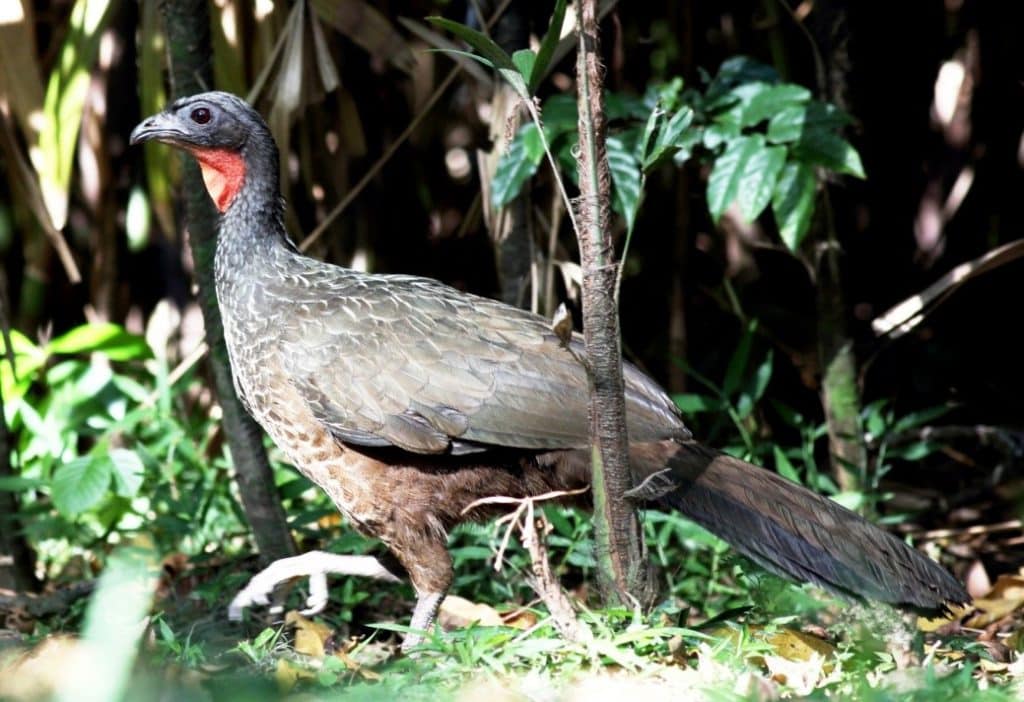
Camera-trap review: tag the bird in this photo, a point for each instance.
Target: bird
(408, 402)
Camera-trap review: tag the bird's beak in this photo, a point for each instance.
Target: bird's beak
(159, 127)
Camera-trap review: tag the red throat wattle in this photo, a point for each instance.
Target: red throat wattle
(223, 173)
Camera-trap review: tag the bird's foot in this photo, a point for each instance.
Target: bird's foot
(423, 616)
(314, 565)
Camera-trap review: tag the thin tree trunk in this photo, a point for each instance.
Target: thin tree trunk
(840, 392)
(623, 571)
(17, 560)
(187, 27)
(509, 227)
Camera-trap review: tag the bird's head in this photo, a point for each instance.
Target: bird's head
(222, 131)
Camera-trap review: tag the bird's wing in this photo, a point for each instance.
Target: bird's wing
(408, 362)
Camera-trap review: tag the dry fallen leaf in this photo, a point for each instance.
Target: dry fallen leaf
(1005, 598)
(796, 645)
(310, 636)
(930, 624)
(458, 612)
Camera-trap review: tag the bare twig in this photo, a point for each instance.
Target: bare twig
(543, 581)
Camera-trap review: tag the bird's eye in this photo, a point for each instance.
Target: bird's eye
(201, 115)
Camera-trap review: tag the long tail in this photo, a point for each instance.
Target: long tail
(790, 530)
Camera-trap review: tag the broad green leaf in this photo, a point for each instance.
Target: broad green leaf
(731, 170)
(666, 94)
(690, 403)
(622, 106)
(789, 123)
(108, 338)
(66, 90)
(737, 70)
(676, 126)
(18, 483)
(127, 470)
(793, 202)
(80, 484)
(757, 181)
(626, 179)
(716, 134)
(532, 142)
(828, 149)
(560, 115)
(731, 106)
(514, 168)
(547, 45)
(524, 61)
(672, 137)
(767, 103)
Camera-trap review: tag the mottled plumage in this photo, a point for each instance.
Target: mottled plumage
(407, 400)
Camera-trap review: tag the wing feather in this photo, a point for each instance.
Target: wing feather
(412, 363)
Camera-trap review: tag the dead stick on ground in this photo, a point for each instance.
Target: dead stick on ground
(544, 583)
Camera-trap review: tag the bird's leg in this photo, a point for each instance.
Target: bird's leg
(429, 565)
(423, 616)
(315, 565)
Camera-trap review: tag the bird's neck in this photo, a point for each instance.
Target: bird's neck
(251, 234)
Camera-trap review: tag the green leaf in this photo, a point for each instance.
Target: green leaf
(828, 149)
(691, 403)
(784, 467)
(18, 483)
(737, 70)
(789, 123)
(754, 388)
(757, 182)
(747, 170)
(514, 168)
(524, 61)
(921, 417)
(532, 143)
(652, 129)
(626, 179)
(485, 46)
(763, 376)
(66, 91)
(914, 451)
(108, 338)
(80, 484)
(765, 104)
(738, 361)
(547, 45)
(671, 138)
(793, 202)
(560, 115)
(716, 134)
(128, 470)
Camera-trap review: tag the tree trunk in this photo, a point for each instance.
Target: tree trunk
(509, 227)
(840, 393)
(623, 571)
(187, 27)
(17, 560)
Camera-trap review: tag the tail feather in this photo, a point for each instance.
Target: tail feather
(790, 530)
